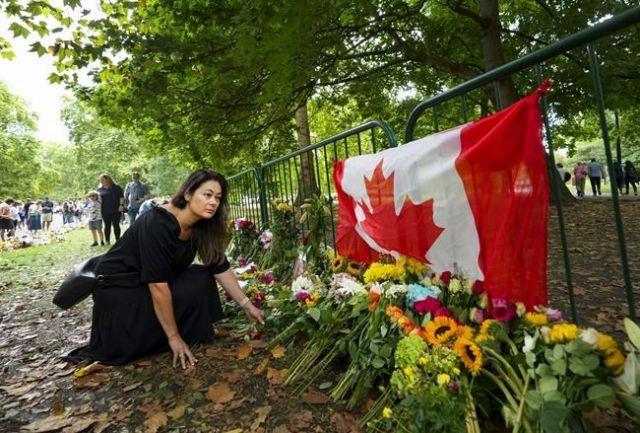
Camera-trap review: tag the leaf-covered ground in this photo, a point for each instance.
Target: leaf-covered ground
(236, 386)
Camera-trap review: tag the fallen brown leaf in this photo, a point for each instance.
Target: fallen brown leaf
(261, 416)
(18, 389)
(315, 397)
(262, 367)
(244, 351)
(274, 376)
(345, 423)
(91, 381)
(278, 352)
(258, 344)
(83, 424)
(299, 421)
(177, 412)
(131, 387)
(235, 376)
(89, 369)
(52, 423)
(57, 408)
(155, 421)
(220, 393)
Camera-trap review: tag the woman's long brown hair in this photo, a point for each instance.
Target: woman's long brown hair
(208, 234)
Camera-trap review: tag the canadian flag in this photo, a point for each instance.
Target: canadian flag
(472, 199)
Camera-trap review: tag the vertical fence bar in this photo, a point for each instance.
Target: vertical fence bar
(435, 120)
(326, 171)
(373, 140)
(558, 199)
(498, 96)
(465, 117)
(597, 85)
(264, 208)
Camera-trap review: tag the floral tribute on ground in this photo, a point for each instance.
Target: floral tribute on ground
(428, 351)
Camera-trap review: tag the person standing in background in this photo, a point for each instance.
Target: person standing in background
(135, 194)
(618, 174)
(580, 178)
(47, 213)
(112, 198)
(594, 169)
(631, 177)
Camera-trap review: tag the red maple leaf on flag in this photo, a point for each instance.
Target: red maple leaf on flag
(411, 233)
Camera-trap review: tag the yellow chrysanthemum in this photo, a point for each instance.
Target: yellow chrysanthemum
(379, 272)
(423, 360)
(415, 267)
(408, 371)
(387, 412)
(615, 361)
(336, 264)
(606, 344)
(440, 330)
(331, 254)
(470, 354)
(563, 333)
(354, 268)
(443, 379)
(537, 319)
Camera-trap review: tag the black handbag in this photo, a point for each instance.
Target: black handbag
(78, 285)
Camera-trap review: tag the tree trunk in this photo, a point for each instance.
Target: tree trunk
(492, 51)
(493, 55)
(307, 183)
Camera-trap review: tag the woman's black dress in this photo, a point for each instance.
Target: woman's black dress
(125, 326)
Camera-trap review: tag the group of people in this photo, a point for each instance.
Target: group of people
(624, 176)
(34, 216)
(106, 206)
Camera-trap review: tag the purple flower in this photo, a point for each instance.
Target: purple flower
(554, 315)
(454, 386)
(242, 262)
(502, 310)
(302, 296)
(445, 277)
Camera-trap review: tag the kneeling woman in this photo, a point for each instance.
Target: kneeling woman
(170, 303)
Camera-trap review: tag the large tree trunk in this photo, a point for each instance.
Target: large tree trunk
(493, 55)
(492, 51)
(307, 183)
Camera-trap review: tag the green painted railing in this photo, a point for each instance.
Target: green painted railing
(307, 170)
(302, 173)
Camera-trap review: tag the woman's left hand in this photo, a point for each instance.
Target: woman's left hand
(254, 313)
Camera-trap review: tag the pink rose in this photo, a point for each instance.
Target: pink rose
(432, 306)
(242, 262)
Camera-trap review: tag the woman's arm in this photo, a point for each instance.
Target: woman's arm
(163, 306)
(229, 282)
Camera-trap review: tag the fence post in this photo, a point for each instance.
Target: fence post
(264, 211)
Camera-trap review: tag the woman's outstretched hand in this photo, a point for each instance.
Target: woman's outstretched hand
(181, 352)
(254, 313)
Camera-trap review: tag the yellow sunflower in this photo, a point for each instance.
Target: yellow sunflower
(537, 319)
(464, 332)
(440, 330)
(563, 333)
(337, 263)
(470, 354)
(354, 268)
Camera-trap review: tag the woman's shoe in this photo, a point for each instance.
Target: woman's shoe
(95, 244)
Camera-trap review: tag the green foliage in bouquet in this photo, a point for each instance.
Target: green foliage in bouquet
(244, 243)
(430, 386)
(628, 383)
(316, 215)
(282, 254)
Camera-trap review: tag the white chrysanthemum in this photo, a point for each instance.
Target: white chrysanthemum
(351, 288)
(544, 331)
(395, 289)
(455, 285)
(590, 336)
(302, 283)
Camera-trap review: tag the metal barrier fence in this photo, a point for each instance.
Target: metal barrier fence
(302, 173)
(308, 170)
(539, 61)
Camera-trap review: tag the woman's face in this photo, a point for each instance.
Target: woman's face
(103, 182)
(205, 200)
